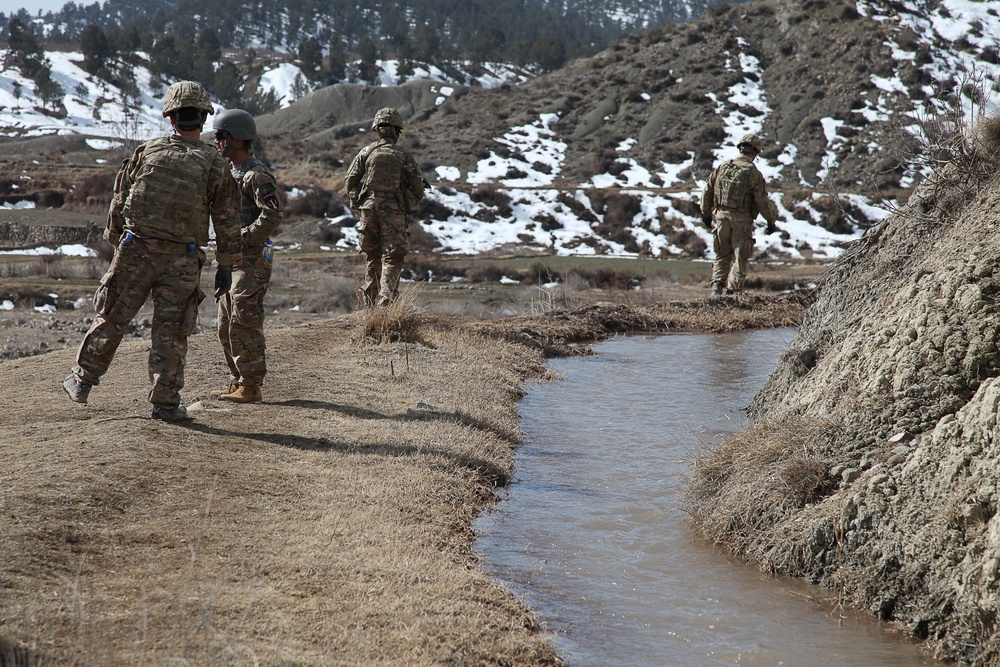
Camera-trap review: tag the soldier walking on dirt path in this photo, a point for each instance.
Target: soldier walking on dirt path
(158, 222)
(734, 195)
(384, 184)
(241, 309)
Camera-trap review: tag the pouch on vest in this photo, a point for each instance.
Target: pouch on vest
(732, 185)
(411, 202)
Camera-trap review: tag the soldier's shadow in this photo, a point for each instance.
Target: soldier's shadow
(412, 414)
(488, 469)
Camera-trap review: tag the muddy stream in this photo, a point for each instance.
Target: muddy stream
(592, 534)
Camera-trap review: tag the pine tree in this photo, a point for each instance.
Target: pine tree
(207, 52)
(311, 58)
(96, 49)
(368, 67)
(25, 49)
(337, 62)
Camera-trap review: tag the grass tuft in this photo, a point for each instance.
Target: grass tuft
(399, 322)
(743, 488)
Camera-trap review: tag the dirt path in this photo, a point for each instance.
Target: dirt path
(331, 525)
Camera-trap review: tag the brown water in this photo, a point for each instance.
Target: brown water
(591, 532)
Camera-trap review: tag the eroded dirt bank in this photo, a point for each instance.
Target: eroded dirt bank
(331, 525)
(873, 466)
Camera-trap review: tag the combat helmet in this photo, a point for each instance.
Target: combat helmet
(186, 94)
(387, 116)
(238, 123)
(751, 140)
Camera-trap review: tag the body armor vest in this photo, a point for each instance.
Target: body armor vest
(384, 168)
(169, 197)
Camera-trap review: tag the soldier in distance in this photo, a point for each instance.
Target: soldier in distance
(733, 197)
(384, 184)
(241, 309)
(164, 197)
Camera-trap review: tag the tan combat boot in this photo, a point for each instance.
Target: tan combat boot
(245, 393)
(228, 390)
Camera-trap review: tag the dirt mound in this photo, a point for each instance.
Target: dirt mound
(342, 110)
(875, 458)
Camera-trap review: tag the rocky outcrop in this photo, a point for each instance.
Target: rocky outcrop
(874, 461)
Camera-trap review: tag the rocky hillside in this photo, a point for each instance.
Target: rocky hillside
(873, 465)
(833, 86)
(608, 155)
(830, 84)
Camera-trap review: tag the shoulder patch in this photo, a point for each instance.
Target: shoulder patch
(271, 201)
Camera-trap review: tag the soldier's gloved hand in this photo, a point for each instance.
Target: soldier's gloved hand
(771, 228)
(223, 281)
(707, 221)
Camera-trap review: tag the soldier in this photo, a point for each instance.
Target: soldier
(734, 195)
(384, 184)
(158, 221)
(241, 309)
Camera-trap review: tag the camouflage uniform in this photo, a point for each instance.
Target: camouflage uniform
(376, 181)
(735, 194)
(158, 220)
(241, 310)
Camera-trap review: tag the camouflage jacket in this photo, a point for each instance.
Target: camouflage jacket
(736, 188)
(260, 209)
(379, 173)
(167, 192)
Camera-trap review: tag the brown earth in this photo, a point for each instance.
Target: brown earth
(330, 525)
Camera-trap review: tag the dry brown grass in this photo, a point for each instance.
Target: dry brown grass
(569, 331)
(330, 525)
(743, 488)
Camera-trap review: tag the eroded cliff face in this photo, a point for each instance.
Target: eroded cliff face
(875, 455)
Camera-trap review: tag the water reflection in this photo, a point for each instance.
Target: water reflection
(593, 536)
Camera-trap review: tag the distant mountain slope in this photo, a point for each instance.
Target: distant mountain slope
(830, 85)
(609, 154)
(518, 30)
(836, 89)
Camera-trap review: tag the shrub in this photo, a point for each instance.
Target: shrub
(93, 193)
(619, 212)
(488, 194)
(315, 203)
(487, 273)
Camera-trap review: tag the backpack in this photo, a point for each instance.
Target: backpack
(384, 171)
(732, 186)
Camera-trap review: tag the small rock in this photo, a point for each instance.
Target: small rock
(878, 481)
(896, 459)
(850, 474)
(902, 436)
(837, 471)
(900, 450)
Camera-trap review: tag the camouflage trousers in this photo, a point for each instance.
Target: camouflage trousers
(134, 274)
(384, 242)
(241, 319)
(733, 244)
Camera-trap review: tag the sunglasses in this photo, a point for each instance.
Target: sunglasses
(221, 135)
